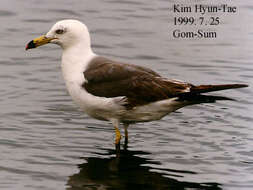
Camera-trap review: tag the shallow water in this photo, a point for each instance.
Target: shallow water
(47, 143)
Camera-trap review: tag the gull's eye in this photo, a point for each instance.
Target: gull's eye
(59, 31)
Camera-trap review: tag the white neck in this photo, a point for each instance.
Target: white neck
(74, 62)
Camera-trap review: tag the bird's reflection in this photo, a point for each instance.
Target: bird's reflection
(128, 170)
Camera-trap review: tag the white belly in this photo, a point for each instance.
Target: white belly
(97, 107)
(152, 111)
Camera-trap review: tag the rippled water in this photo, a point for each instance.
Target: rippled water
(47, 143)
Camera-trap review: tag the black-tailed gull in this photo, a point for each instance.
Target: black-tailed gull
(118, 92)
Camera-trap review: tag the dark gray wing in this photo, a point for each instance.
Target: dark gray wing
(140, 85)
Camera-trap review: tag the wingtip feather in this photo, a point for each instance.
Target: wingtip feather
(211, 88)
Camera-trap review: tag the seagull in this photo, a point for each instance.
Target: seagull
(114, 91)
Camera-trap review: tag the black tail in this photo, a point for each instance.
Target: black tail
(195, 96)
(198, 99)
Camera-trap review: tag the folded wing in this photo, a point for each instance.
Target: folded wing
(139, 85)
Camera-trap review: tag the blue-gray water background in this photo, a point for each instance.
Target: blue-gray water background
(46, 143)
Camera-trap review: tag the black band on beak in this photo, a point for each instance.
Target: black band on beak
(30, 45)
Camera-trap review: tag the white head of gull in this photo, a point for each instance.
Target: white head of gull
(115, 91)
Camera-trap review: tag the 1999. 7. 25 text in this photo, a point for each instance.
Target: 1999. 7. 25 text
(197, 21)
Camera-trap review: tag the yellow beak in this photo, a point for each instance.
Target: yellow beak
(42, 40)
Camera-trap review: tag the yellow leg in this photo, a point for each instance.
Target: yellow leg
(115, 123)
(118, 135)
